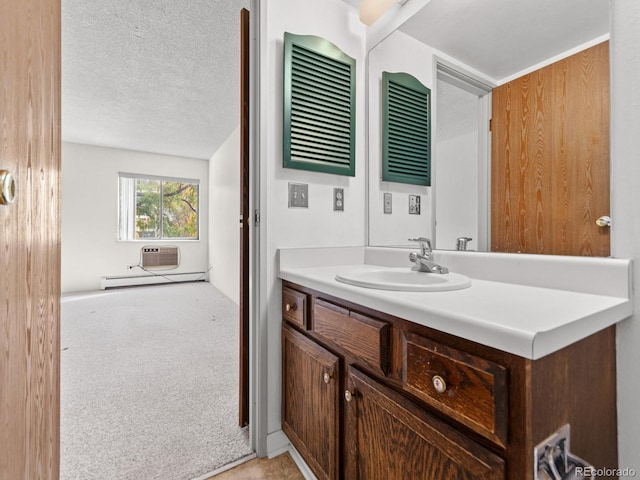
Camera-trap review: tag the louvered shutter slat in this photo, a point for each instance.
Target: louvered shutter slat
(406, 130)
(319, 106)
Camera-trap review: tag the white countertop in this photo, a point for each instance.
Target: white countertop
(530, 321)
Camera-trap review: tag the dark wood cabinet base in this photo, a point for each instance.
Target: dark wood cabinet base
(370, 396)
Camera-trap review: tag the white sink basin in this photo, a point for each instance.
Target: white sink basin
(403, 279)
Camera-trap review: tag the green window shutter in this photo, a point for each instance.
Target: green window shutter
(406, 130)
(319, 106)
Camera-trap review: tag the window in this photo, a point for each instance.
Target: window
(157, 207)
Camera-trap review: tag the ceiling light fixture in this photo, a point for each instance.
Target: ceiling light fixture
(372, 10)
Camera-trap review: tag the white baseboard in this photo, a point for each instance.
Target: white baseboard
(301, 464)
(150, 279)
(277, 444)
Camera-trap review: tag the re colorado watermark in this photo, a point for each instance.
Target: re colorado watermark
(592, 472)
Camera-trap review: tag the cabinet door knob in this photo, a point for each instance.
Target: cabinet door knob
(348, 396)
(290, 307)
(439, 384)
(326, 377)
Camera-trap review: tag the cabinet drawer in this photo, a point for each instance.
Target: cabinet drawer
(469, 389)
(294, 307)
(363, 337)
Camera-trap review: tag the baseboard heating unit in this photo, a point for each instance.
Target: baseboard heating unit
(135, 280)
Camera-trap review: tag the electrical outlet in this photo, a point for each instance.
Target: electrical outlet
(298, 195)
(387, 203)
(414, 204)
(338, 199)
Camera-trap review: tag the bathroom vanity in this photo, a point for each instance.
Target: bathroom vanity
(386, 384)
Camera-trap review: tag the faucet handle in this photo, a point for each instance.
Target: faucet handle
(425, 244)
(461, 243)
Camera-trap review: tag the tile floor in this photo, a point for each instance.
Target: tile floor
(281, 467)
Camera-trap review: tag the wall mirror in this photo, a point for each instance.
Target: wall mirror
(461, 51)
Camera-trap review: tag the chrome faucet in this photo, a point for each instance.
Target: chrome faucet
(424, 260)
(461, 243)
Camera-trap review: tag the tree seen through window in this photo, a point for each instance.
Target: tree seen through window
(155, 208)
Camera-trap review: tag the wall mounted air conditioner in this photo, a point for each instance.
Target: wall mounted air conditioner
(160, 257)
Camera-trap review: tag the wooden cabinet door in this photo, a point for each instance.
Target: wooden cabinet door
(388, 437)
(310, 401)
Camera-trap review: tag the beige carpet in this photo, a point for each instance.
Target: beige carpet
(149, 382)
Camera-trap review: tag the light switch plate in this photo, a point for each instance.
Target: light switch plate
(298, 195)
(338, 199)
(414, 204)
(388, 203)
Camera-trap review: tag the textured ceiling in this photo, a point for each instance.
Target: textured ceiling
(163, 76)
(159, 76)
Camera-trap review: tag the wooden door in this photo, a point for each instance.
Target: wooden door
(387, 437)
(310, 402)
(30, 240)
(550, 158)
(244, 219)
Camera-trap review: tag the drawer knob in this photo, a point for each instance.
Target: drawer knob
(326, 377)
(290, 307)
(348, 396)
(439, 384)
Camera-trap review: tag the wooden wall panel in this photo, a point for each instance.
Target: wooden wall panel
(30, 240)
(550, 158)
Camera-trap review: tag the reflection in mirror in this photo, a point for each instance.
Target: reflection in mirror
(488, 43)
(395, 228)
(461, 148)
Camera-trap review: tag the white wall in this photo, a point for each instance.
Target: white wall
(90, 246)
(318, 225)
(224, 232)
(457, 191)
(397, 53)
(625, 212)
(455, 166)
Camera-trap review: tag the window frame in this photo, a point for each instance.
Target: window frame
(161, 179)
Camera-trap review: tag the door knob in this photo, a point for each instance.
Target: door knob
(7, 187)
(603, 221)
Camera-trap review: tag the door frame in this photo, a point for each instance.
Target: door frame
(460, 77)
(258, 428)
